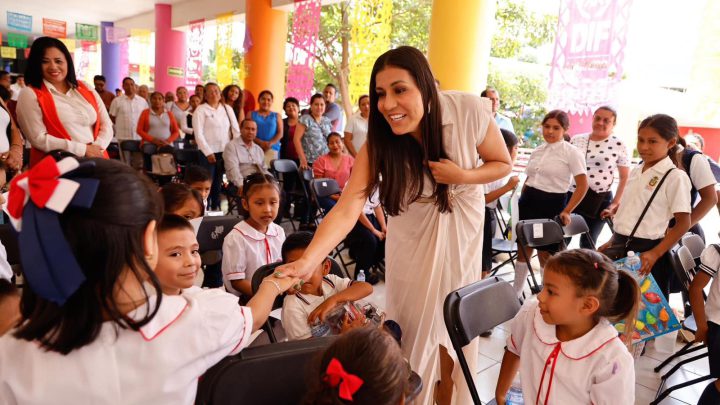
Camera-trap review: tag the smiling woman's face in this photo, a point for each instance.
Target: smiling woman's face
(54, 66)
(399, 100)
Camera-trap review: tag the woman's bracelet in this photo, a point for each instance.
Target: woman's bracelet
(275, 283)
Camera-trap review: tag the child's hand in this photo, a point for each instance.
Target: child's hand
(605, 246)
(348, 324)
(647, 260)
(609, 212)
(513, 182)
(321, 311)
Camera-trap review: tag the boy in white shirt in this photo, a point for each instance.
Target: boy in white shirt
(319, 295)
(178, 256)
(707, 316)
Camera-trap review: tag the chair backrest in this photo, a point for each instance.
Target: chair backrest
(252, 376)
(130, 145)
(463, 319)
(324, 187)
(684, 265)
(284, 166)
(213, 230)
(539, 232)
(694, 243)
(187, 156)
(577, 226)
(308, 175)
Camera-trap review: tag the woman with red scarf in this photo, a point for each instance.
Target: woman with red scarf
(56, 111)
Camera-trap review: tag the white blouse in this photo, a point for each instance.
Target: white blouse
(4, 126)
(212, 127)
(552, 167)
(76, 115)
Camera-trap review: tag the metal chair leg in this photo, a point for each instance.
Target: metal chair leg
(664, 394)
(683, 351)
(680, 364)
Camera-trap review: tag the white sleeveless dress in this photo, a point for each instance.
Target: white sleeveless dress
(429, 254)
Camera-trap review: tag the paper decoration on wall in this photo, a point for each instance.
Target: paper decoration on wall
(7, 52)
(17, 40)
(589, 53)
(86, 32)
(370, 23)
(114, 35)
(54, 28)
(141, 38)
(193, 65)
(305, 30)
(223, 50)
(69, 44)
(20, 22)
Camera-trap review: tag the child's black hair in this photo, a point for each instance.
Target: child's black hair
(172, 222)
(174, 196)
(297, 240)
(509, 137)
(258, 179)
(196, 174)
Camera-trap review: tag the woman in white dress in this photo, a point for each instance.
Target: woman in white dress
(424, 145)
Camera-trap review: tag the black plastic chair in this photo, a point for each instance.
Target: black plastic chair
(287, 172)
(149, 148)
(252, 376)
(465, 322)
(684, 266)
(128, 149)
(325, 187)
(552, 234)
(267, 270)
(186, 158)
(504, 244)
(577, 226)
(211, 235)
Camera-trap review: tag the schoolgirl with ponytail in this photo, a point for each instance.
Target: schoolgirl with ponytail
(564, 344)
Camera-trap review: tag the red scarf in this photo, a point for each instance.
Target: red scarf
(52, 122)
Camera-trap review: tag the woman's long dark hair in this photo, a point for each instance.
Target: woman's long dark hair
(33, 72)
(105, 239)
(401, 161)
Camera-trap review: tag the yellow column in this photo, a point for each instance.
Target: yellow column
(265, 60)
(460, 39)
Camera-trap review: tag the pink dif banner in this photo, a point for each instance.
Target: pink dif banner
(115, 35)
(54, 28)
(305, 30)
(193, 65)
(589, 53)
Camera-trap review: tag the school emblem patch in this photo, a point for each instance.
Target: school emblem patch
(653, 181)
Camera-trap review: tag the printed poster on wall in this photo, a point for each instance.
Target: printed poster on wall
(8, 52)
(17, 40)
(193, 65)
(20, 22)
(54, 28)
(87, 32)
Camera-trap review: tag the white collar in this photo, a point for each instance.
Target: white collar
(576, 349)
(244, 228)
(171, 308)
(661, 167)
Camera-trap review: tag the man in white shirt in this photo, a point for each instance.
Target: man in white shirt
(17, 86)
(501, 120)
(125, 111)
(242, 156)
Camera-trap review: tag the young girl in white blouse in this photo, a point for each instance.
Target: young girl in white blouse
(567, 350)
(550, 171)
(656, 192)
(95, 325)
(257, 240)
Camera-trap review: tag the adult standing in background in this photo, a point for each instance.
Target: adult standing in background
(311, 134)
(55, 110)
(605, 154)
(5, 79)
(144, 92)
(356, 129)
(501, 120)
(270, 127)
(200, 92)
(291, 106)
(125, 112)
(214, 125)
(180, 107)
(19, 85)
(169, 97)
(332, 110)
(106, 96)
(424, 144)
(232, 95)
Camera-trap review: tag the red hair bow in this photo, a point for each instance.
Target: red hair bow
(335, 375)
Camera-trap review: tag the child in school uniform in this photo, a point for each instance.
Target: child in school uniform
(317, 296)
(199, 178)
(257, 240)
(95, 325)
(178, 257)
(550, 171)
(564, 345)
(707, 316)
(181, 200)
(364, 366)
(656, 192)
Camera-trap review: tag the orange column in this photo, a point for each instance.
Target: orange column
(265, 60)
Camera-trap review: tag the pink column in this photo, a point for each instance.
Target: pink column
(170, 51)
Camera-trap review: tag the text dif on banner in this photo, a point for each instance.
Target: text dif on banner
(193, 65)
(301, 72)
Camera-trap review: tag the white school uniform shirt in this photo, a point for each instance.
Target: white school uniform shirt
(553, 166)
(4, 124)
(673, 196)
(371, 203)
(297, 307)
(212, 127)
(710, 263)
(492, 186)
(245, 249)
(595, 368)
(5, 268)
(127, 112)
(76, 115)
(701, 175)
(159, 364)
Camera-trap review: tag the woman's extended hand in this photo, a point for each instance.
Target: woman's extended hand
(299, 268)
(447, 172)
